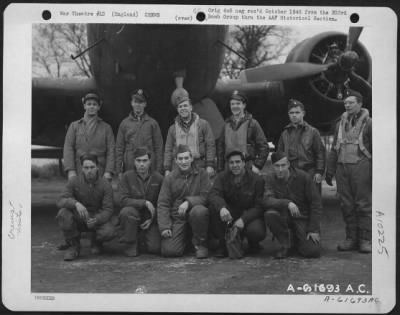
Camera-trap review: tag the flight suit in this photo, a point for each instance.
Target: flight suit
(177, 188)
(100, 143)
(303, 147)
(133, 133)
(243, 200)
(300, 190)
(198, 136)
(134, 191)
(98, 200)
(247, 136)
(350, 160)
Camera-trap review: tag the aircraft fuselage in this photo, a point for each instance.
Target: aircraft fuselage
(147, 56)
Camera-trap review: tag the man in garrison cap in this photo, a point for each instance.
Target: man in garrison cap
(182, 207)
(293, 208)
(139, 189)
(350, 161)
(86, 205)
(137, 130)
(302, 143)
(236, 198)
(191, 130)
(242, 132)
(90, 135)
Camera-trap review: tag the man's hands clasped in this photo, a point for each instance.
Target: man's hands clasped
(84, 215)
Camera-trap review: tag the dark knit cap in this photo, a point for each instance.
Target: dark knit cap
(141, 151)
(179, 96)
(182, 148)
(277, 156)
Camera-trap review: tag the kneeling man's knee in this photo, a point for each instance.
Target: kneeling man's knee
(198, 212)
(129, 212)
(65, 219)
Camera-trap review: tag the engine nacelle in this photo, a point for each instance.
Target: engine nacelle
(322, 93)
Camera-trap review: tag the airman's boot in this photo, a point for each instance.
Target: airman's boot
(73, 251)
(351, 241)
(365, 246)
(347, 245)
(130, 235)
(64, 246)
(201, 251)
(282, 253)
(131, 250)
(221, 251)
(96, 247)
(365, 241)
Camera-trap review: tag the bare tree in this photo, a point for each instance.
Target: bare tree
(254, 45)
(75, 34)
(53, 44)
(46, 50)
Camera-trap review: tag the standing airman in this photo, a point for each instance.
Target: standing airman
(90, 135)
(242, 133)
(191, 130)
(350, 160)
(137, 130)
(302, 143)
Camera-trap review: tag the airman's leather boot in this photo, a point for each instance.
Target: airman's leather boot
(73, 251)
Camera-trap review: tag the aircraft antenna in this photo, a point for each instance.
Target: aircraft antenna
(87, 49)
(96, 43)
(232, 50)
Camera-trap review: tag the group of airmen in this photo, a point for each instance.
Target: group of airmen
(208, 185)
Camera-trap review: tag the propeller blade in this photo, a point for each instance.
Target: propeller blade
(352, 37)
(286, 71)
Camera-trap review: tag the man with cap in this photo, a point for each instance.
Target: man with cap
(138, 129)
(139, 189)
(302, 143)
(86, 205)
(243, 133)
(236, 197)
(350, 161)
(90, 135)
(293, 208)
(191, 130)
(182, 206)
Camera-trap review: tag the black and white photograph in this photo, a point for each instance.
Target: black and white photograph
(201, 158)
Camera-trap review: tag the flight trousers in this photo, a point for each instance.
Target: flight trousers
(254, 231)
(198, 221)
(72, 225)
(282, 225)
(130, 219)
(354, 187)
